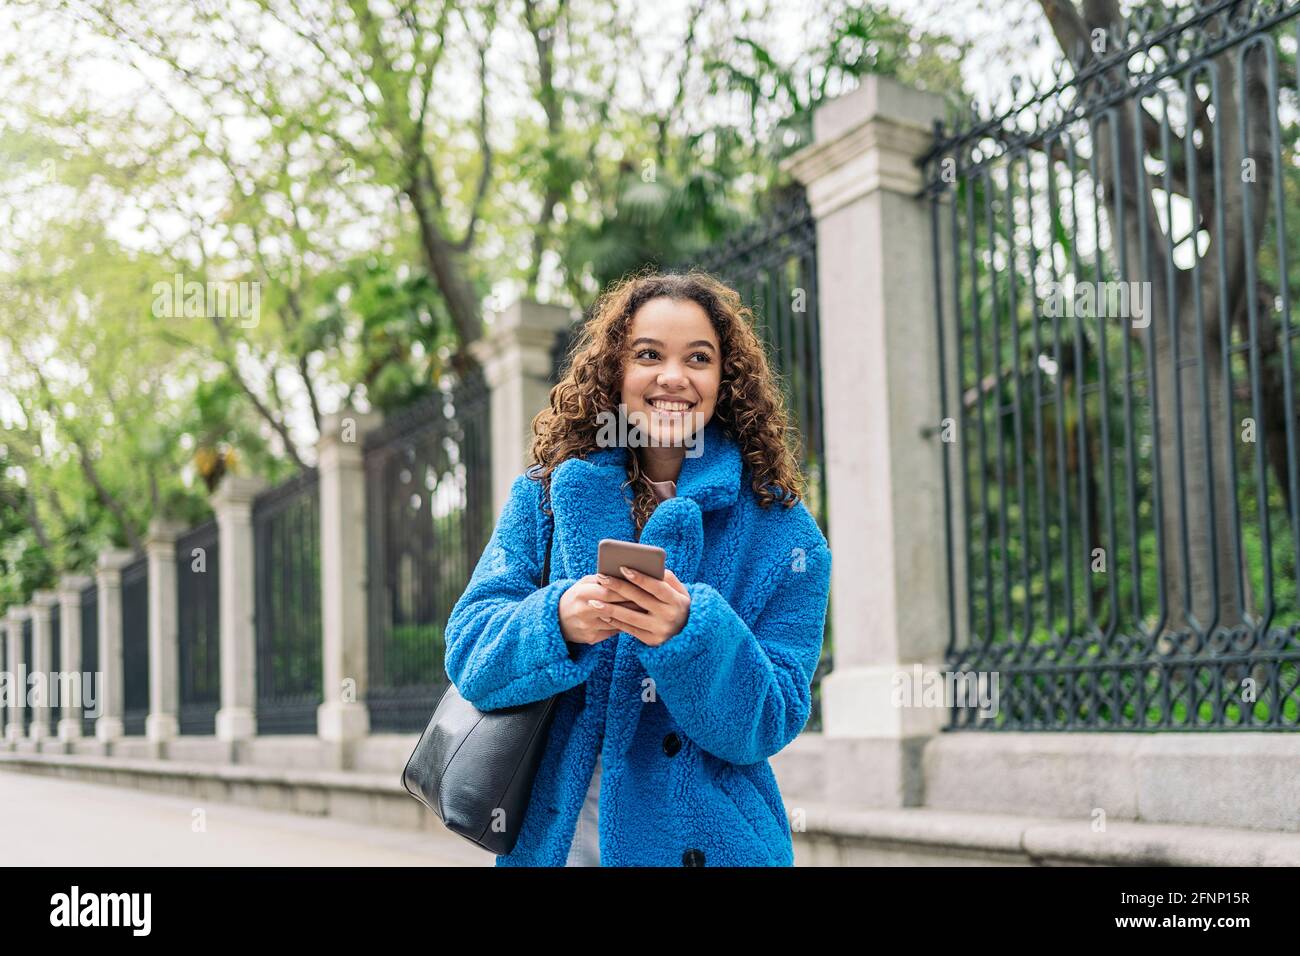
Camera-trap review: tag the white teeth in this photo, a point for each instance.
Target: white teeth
(670, 406)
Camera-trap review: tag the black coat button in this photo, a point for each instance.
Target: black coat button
(672, 744)
(693, 857)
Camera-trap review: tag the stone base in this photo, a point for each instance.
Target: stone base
(236, 723)
(90, 747)
(383, 753)
(161, 727)
(134, 748)
(1242, 780)
(287, 752)
(69, 730)
(201, 748)
(827, 835)
(108, 729)
(341, 722)
(881, 701)
(866, 772)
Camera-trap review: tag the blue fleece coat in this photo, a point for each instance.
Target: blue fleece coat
(684, 729)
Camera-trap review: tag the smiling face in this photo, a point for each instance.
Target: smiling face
(673, 369)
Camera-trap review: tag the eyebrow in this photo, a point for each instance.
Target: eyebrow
(690, 345)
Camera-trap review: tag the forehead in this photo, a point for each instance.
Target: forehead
(672, 321)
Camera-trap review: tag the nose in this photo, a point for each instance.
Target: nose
(671, 377)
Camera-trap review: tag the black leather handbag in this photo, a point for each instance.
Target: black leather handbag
(475, 768)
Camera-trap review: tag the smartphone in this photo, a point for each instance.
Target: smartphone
(646, 558)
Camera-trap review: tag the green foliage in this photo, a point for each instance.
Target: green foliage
(414, 654)
(403, 335)
(334, 160)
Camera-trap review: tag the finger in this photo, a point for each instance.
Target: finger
(674, 583)
(625, 617)
(627, 591)
(661, 591)
(598, 617)
(610, 596)
(598, 590)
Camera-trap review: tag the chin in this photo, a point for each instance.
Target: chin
(666, 434)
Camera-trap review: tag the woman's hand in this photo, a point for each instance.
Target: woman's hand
(661, 611)
(580, 622)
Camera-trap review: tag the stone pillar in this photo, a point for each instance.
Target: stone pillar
(4, 666)
(42, 660)
(875, 275)
(233, 504)
(108, 576)
(17, 667)
(343, 716)
(516, 359)
(164, 624)
(71, 587)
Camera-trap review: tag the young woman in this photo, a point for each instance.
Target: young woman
(669, 709)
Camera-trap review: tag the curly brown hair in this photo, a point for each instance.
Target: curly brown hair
(750, 405)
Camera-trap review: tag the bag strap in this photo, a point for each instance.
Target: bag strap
(546, 561)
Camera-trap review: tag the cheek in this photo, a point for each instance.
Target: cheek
(709, 386)
(634, 383)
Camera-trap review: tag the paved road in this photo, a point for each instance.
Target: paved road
(48, 821)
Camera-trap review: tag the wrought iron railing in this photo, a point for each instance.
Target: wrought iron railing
(198, 596)
(56, 651)
(429, 501)
(90, 653)
(135, 646)
(28, 715)
(1114, 259)
(286, 541)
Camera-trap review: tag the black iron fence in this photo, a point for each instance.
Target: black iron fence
(90, 652)
(429, 504)
(198, 595)
(27, 662)
(56, 652)
(1114, 260)
(286, 537)
(135, 646)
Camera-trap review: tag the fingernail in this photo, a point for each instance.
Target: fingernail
(602, 577)
(629, 572)
(594, 603)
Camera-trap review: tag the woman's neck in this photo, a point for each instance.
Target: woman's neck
(661, 463)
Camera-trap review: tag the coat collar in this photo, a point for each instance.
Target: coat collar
(711, 479)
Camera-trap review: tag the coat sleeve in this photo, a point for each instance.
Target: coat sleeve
(743, 694)
(504, 645)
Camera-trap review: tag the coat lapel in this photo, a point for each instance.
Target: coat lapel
(590, 504)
